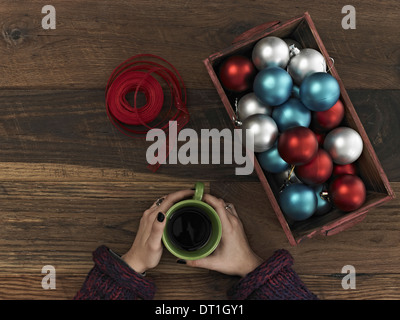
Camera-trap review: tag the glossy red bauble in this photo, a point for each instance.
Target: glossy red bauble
(237, 73)
(347, 192)
(340, 169)
(297, 145)
(329, 119)
(318, 170)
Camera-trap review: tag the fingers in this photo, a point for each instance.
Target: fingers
(175, 197)
(158, 202)
(231, 209)
(219, 206)
(165, 202)
(209, 262)
(157, 230)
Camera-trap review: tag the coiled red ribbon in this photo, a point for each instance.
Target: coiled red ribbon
(140, 73)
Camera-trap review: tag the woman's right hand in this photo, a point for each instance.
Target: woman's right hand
(233, 255)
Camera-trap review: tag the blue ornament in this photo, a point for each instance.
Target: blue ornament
(273, 86)
(323, 204)
(298, 201)
(296, 91)
(291, 114)
(271, 161)
(319, 91)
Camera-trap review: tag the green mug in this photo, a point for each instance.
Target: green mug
(203, 213)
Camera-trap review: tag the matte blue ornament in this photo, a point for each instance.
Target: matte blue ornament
(298, 201)
(273, 86)
(291, 113)
(271, 161)
(323, 203)
(319, 91)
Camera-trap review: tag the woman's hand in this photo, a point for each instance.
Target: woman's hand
(146, 249)
(233, 255)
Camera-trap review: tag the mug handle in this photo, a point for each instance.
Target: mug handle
(198, 191)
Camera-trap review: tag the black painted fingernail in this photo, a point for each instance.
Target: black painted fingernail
(181, 261)
(160, 217)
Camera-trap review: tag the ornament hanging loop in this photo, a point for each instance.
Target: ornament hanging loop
(235, 118)
(331, 64)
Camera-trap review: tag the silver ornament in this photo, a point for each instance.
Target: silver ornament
(264, 130)
(344, 145)
(305, 62)
(290, 42)
(286, 177)
(270, 52)
(249, 104)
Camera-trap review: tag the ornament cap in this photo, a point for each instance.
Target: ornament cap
(293, 50)
(324, 195)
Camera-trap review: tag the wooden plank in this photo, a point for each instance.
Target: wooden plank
(69, 181)
(91, 39)
(67, 135)
(69, 131)
(64, 229)
(368, 286)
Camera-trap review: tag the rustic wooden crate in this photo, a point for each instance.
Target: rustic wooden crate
(303, 30)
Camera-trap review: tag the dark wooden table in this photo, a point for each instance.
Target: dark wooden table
(69, 181)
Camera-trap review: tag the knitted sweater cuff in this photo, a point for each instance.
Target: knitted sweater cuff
(112, 278)
(273, 279)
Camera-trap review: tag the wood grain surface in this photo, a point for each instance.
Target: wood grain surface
(69, 181)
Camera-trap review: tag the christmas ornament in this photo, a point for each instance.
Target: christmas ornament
(347, 192)
(317, 171)
(344, 145)
(291, 113)
(271, 161)
(305, 62)
(249, 104)
(263, 128)
(297, 145)
(291, 42)
(270, 52)
(319, 91)
(286, 177)
(298, 201)
(320, 138)
(329, 119)
(237, 73)
(323, 202)
(340, 169)
(296, 92)
(273, 86)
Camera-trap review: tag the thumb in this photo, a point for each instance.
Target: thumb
(208, 262)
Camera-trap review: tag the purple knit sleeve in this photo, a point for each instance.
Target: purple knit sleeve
(274, 279)
(112, 279)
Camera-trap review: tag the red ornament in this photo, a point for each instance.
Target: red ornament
(297, 145)
(237, 73)
(318, 170)
(347, 192)
(340, 169)
(329, 119)
(320, 138)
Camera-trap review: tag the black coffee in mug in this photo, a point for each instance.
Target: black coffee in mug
(189, 228)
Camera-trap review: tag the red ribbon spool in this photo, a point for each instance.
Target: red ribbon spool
(139, 74)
